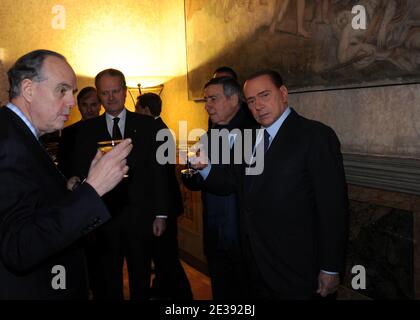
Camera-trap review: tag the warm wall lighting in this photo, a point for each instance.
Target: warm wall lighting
(135, 91)
(155, 89)
(146, 81)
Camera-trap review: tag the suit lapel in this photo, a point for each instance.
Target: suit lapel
(103, 129)
(273, 154)
(34, 146)
(130, 130)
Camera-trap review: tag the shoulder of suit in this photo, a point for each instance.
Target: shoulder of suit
(139, 117)
(314, 127)
(4, 123)
(8, 120)
(73, 126)
(92, 121)
(160, 123)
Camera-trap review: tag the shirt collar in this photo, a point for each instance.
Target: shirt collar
(22, 116)
(274, 128)
(122, 116)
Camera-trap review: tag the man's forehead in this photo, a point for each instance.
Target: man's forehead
(90, 95)
(213, 89)
(258, 84)
(53, 63)
(110, 80)
(59, 72)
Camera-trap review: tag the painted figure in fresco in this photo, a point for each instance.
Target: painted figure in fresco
(321, 11)
(228, 6)
(392, 34)
(279, 11)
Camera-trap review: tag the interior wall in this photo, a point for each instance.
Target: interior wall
(176, 106)
(147, 38)
(144, 39)
(382, 121)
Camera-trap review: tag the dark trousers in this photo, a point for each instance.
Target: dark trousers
(227, 276)
(259, 289)
(170, 280)
(115, 240)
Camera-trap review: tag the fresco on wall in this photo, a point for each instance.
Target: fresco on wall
(313, 44)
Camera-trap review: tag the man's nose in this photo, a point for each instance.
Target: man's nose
(72, 102)
(258, 104)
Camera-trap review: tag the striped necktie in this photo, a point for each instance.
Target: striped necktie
(116, 132)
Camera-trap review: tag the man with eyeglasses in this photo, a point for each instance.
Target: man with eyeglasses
(224, 100)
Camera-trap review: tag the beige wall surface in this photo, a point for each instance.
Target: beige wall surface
(382, 121)
(144, 39)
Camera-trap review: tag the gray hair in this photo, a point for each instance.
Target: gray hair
(230, 87)
(28, 67)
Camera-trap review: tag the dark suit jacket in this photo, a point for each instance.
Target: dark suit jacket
(176, 206)
(295, 213)
(66, 147)
(39, 219)
(145, 191)
(220, 212)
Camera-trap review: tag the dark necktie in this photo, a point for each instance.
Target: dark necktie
(266, 140)
(249, 179)
(116, 133)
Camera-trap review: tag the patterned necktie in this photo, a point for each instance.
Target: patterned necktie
(266, 140)
(249, 179)
(116, 133)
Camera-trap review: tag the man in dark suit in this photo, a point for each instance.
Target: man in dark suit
(170, 280)
(220, 72)
(40, 220)
(89, 107)
(88, 103)
(293, 218)
(139, 205)
(224, 104)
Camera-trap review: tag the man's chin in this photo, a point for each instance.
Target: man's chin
(264, 121)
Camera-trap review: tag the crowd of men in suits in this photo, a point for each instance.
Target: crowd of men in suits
(280, 234)
(142, 228)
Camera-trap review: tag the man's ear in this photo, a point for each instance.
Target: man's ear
(147, 111)
(284, 93)
(234, 99)
(26, 89)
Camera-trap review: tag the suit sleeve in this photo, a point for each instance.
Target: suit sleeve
(223, 179)
(65, 152)
(33, 226)
(160, 172)
(330, 187)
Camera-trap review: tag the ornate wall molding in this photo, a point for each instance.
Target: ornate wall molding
(386, 173)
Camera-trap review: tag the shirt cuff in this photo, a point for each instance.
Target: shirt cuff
(329, 272)
(205, 172)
